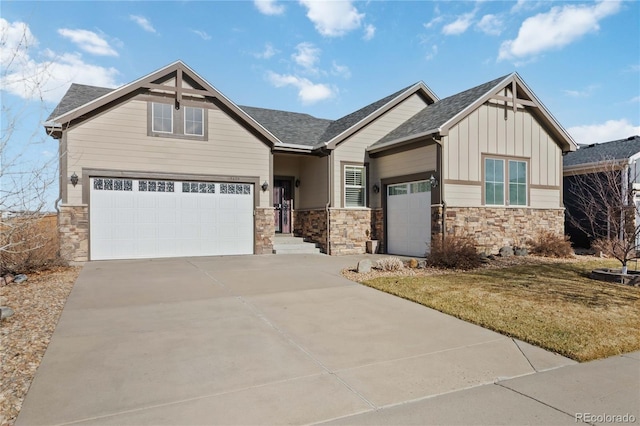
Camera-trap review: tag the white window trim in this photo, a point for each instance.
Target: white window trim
(363, 186)
(153, 121)
(184, 116)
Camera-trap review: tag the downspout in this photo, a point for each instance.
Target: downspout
(326, 207)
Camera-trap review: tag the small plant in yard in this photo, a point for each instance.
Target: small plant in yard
(389, 264)
(453, 252)
(550, 244)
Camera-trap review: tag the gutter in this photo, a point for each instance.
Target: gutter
(326, 207)
(401, 141)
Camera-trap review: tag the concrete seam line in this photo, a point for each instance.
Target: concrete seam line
(536, 400)
(523, 354)
(263, 318)
(254, 309)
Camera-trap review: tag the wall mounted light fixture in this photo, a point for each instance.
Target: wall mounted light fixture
(376, 188)
(264, 186)
(433, 181)
(74, 179)
(297, 183)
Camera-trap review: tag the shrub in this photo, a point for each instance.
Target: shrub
(389, 264)
(550, 244)
(453, 252)
(28, 244)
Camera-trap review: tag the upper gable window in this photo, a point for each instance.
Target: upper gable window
(185, 122)
(193, 121)
(162, 118)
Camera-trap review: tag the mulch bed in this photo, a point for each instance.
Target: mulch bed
(24, 337)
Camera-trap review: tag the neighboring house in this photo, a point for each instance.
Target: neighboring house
(621, 155)
(169, 166)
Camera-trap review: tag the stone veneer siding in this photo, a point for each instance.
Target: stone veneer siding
(73, 227)
(350, 229)
(495, 227)
(312, 226)
(265, 230)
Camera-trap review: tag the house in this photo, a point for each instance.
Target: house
(169, 166)
(600, 160)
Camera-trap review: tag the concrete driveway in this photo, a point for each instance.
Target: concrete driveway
(255, 340)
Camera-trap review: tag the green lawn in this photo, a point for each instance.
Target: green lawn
(554, 306)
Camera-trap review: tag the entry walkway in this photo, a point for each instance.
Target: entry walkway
(287, 340)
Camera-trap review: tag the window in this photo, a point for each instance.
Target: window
(517, 183)
(495, 180)
(162, 118)
(354, 186)
(193, 121)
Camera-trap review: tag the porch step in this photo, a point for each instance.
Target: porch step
(288, 244)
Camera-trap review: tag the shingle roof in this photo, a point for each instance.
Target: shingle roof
(614, 150)
(290, 127)
(342, 124)
(435, 115)
(76, 96)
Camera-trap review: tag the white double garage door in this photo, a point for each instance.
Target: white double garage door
(409, 218)
(143, 218)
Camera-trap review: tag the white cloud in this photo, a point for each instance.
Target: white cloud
(584, 93)
(333, 18)
(308, 92)
(432, 53)
(269, 7)
(433, 22)
(203, 34)
(490, 24)
(603, 132)
(47, 79)
(557, 28)
(369, 32)
(143, 23)
(459, 26)
(340, 70)
(88, 41)
(307, 55)
(268, 52)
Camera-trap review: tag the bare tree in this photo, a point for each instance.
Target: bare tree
(602, 206)
(25, 177)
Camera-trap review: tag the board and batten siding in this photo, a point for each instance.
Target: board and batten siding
(418, 160)
(353, 149)
(118, 140)
(485, 132)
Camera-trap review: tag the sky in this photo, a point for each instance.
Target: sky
(324, 58)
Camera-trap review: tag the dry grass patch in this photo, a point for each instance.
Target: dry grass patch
(554, 306)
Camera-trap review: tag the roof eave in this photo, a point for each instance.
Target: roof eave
(401, 141)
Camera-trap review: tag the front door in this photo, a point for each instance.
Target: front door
(282, 202)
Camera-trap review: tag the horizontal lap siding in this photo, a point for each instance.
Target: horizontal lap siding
(414, 161)
(118, 140)
(464, 195)
(485, 131)
(313, 183)
(353, 149)
(545, 198)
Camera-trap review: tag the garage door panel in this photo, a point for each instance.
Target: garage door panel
(408, 218)
(158, 219)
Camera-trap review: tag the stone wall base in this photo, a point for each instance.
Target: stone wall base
(265, 230)
(73, 228)
(494, 227)
(312, 226)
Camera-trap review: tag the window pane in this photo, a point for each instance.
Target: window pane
(193, 121)
(494, 181)
(354, 186)
(397, 189)
(162, 118)
(518, 183)
(423, 186)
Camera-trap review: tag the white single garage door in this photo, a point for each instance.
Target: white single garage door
(409, 218)
(137, 218)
